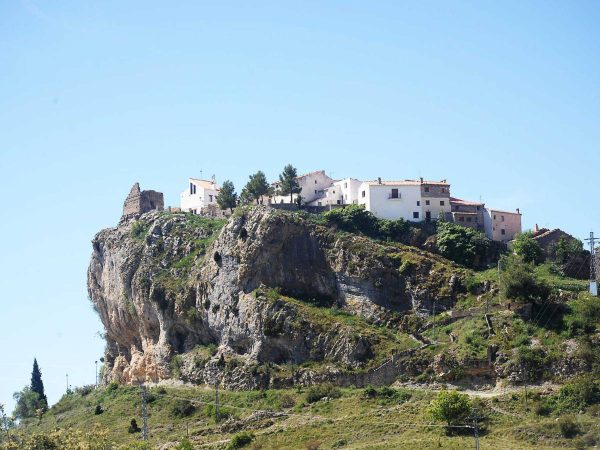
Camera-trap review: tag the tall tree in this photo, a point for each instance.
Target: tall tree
(227, 198)
(37, 385)
(257, 186)
(288, 183)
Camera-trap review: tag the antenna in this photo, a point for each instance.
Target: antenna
(593, 279)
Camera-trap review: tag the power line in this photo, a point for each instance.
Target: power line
(593, 278)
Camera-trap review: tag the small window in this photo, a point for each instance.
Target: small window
(427, 202)
(415, 215)
(502, 218)
(315, 191)
(210, 197)
(345, 185)
(338, 202)
(319, 204)
(503, 231)
(281, 201)
(442, 203)
(334, 192)
(394, 193)
(315, 181)
(468, 219)
(494, 216)
(363, 193)
(418, 202)
(427, 189)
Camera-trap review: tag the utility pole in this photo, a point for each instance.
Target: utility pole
(593, 280)
(218, 413)
(96, 362)
(476, 429)
(144, 413)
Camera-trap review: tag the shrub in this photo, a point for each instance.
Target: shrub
(584, 315)
(568, 427)
(316, 393)
(133, 427)
(185, 444)
(85, 390)
(532, 360)
(240, 440)
(451, 407)
(519, 282)
(578, 393)
(183, 408)
(527, 248)
(465, 246)
(287, 401)
(542, 409)
(98, 410)
(386, 393)
(312, 444)
(112, 386)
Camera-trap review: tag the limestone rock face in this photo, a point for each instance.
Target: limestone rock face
(173, 284)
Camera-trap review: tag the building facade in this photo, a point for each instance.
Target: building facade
(500, 225)
(199, 194)
(140, 202)
(313, 187)
(468, 214)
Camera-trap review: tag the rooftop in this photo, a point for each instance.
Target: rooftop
(206, 184)
(406, 183)
(460, 201)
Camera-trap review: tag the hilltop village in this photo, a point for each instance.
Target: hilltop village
(411, 200)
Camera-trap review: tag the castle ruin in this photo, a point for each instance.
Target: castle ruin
(139, 202)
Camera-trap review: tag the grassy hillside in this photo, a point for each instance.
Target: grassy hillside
(348, 418)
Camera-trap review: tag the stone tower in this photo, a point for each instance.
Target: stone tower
(139, 202)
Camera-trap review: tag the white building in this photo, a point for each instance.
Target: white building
(412, 200)
(501, 225)
(199, 194)
(341, 192)
(313, 186)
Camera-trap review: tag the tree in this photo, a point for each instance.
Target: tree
(527, 248)
(288, 183)
(462, 245)
(6, 423)
(451, 407)
(227, 198)
(28, 403)
(566, 249)
(257, 187)
(519, 281)
(37, 385)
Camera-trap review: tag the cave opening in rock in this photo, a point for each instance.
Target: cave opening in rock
(217, 258)
(243, 234)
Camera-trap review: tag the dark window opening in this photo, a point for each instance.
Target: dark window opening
(415, 215)
(394, 193)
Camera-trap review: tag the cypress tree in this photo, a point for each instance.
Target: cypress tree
(37, 385)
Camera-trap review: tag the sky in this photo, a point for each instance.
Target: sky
(502, 99)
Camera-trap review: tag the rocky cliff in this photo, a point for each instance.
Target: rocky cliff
(243, 302)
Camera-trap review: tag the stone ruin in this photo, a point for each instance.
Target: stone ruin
(139, 202)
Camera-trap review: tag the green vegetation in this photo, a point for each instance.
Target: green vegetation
(527, 248)
(138, 230)
(316, 393)
(227, 198)
(256, 188)
(520, 282)
(355, 420)
(465, 246)
(288, 184)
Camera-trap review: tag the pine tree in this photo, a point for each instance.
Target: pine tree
(37, 385)
(288, 184)
(257, 186)
(227, 197)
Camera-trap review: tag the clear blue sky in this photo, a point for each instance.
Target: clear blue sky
(500, 98)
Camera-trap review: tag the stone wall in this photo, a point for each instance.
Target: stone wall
(140, 202)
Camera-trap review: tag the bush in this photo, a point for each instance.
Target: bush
(577, 394)
(185, 444)
(568, 427)
(98, 410)
(183, 408)
(527, 248)
(584, 315)
(316, 393)
(519, 282)
(451, 407)
(85, 390)
(465, 246)
(532, 360)
(133, 427)
(240, 440)
(386, 394)
(312, 444)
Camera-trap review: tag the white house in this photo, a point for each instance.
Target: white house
(199, 194)
(501, 225)
(313, 186)
(341, 192)
(392, 199)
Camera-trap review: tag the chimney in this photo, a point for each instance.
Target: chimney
(518, 211)
(421, 178)
(378, 180)
(537, 228)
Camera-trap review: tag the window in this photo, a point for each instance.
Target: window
(443, 189)
(338, 202)
(503, 231)
(315, 181)
(418, 202)
(427, 189)
(345, 185)
(394, 193)
(442, 203)
(319, 204)
(192, 189)
(415, 215)
(469, 219)
(502, 218)
(334, 192)
(427, 202)
(210, 197)
(315, 191)
(363, 193)
(494, 216)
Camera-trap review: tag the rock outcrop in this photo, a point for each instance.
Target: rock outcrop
(169, 286)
